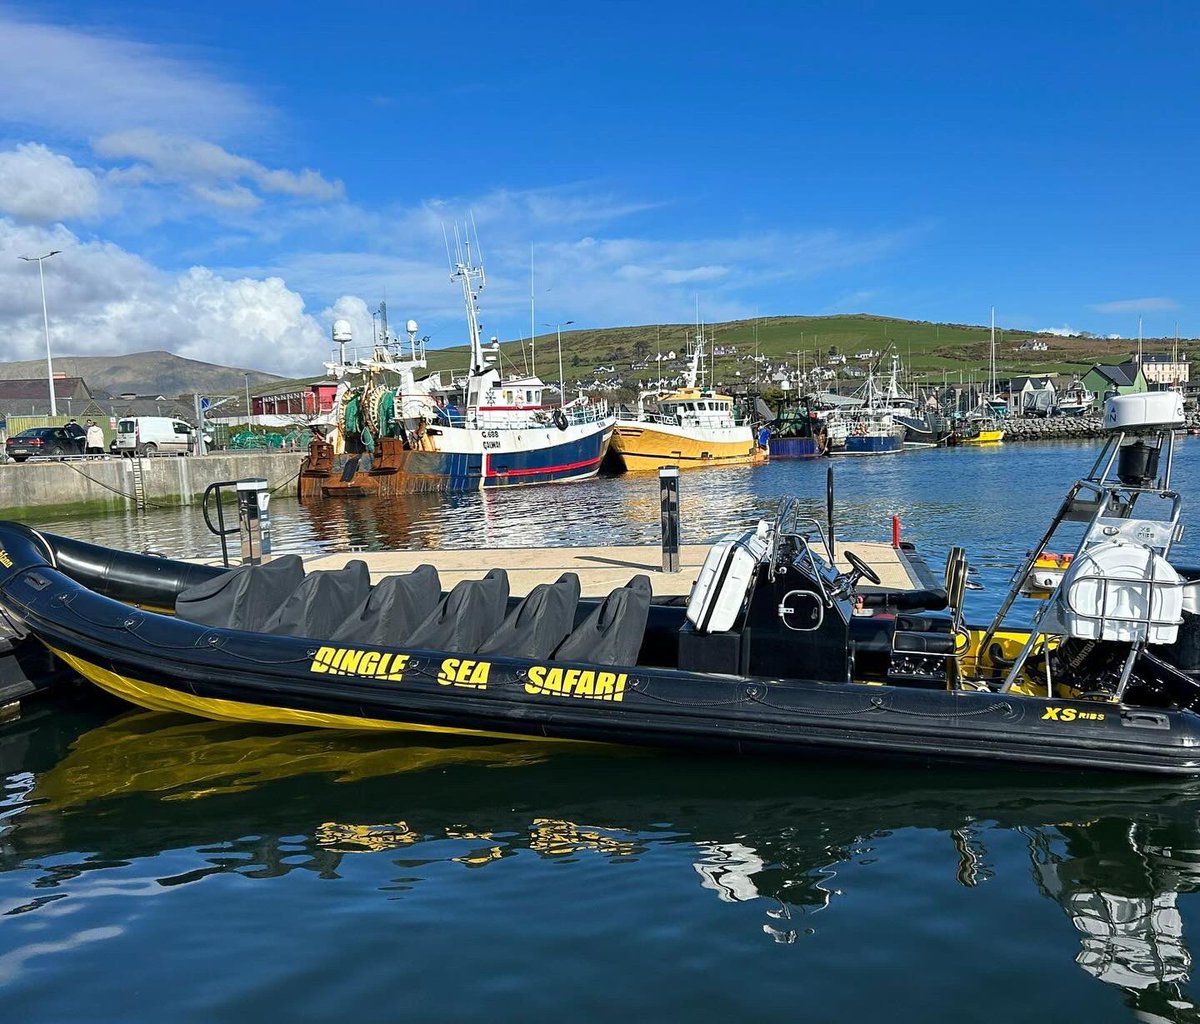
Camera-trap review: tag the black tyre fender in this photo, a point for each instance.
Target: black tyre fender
(560, 419)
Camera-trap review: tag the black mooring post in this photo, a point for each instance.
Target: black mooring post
(829, 505)
(668, 486)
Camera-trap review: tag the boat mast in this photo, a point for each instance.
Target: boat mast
(992, 367)
(467, 273)
(694, 370)
(532, 320)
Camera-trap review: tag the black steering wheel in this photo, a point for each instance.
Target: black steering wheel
(861, 567)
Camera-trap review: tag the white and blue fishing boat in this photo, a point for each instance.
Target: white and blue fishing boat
(398, 431)
(872, 428)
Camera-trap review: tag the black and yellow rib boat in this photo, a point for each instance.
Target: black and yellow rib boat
(774, 652)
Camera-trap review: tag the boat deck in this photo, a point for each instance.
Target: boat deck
(601, 569)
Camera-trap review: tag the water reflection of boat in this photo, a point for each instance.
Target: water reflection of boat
(1115, 858)
(690, 426)
(398, 432)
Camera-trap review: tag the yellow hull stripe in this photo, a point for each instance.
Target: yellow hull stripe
(162, 698)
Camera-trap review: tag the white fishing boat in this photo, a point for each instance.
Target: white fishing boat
(399, 429)
(1076, 400)
(871, 428)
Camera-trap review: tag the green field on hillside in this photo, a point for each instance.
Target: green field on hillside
(927, 350)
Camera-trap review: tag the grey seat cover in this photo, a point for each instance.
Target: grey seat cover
(322, 602)
(612, 634)
(393, 609)
(470, 613)
(539, 623)
(243, 598)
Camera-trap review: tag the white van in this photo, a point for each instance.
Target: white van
(154, 435)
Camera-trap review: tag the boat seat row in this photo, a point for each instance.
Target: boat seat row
(410, 610)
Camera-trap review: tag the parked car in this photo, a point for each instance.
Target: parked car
(52, 441)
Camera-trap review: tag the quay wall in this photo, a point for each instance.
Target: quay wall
(102, 484)
(1063, 427)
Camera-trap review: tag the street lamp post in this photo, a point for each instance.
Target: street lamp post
(247, 376)
(562, 381)
(46, 323)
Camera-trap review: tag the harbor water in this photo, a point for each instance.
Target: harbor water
(154, 866)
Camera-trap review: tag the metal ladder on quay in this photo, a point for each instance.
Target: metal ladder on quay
(139, 484)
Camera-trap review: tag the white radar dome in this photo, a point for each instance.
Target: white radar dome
(341, 331)
(411, 327)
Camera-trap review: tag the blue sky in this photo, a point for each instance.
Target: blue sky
(225, 179)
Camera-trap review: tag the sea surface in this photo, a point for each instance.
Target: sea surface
(156, 867)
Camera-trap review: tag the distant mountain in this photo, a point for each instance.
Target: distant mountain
(144, 373)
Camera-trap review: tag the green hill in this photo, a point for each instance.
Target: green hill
(927, 350)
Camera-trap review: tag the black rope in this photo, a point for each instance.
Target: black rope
(68, 601)
(642, 687)
(875, 704)
(100, 483)
(881, 705)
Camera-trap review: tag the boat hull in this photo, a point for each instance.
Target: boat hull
(872, 444)
(644, 447)
(445, 463)
(984, 437)
(795, 448)
(166, 663)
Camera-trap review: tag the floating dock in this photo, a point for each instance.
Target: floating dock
(601, 569)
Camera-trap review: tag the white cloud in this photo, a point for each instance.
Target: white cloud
(231, 197)
(105, 300)
(41, 186)
(182, 159)
(1065, 331)
(245, 319)
(81, 83)
(1147, 305)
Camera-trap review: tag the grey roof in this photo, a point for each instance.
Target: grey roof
(38, 389)
(1038, 382)
(1118, 375)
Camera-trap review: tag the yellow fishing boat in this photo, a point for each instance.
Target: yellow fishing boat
(983, 426)
(687, 426)
(984, 435)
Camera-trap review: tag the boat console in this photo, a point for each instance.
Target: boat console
(769, 602)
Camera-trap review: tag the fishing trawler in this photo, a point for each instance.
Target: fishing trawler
(687, 427)
(798, 433)
(871, 428)
(924, 426)
(399, 430)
